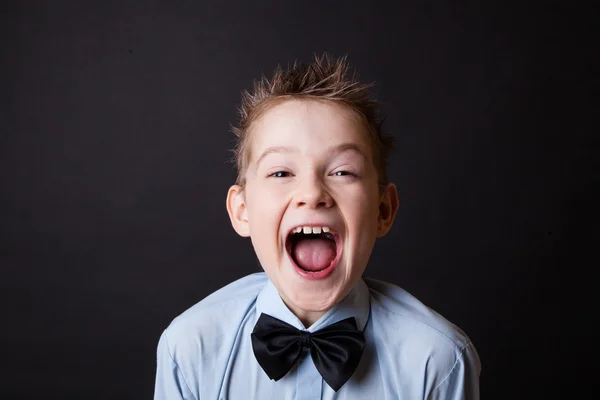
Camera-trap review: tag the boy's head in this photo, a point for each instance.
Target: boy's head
(312, 192)
(325, 79)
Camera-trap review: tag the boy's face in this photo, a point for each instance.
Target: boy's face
(311, 166)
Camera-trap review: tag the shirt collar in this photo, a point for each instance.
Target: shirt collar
(356, 304)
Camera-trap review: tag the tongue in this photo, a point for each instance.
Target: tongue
(314, 254)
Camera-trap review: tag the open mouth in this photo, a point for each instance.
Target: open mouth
(313, 250)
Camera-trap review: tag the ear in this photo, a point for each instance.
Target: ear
(236, 208)
(388, 207)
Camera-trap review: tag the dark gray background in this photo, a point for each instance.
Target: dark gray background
(114, 168)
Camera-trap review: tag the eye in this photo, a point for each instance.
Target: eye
(280, 174)
(343, 173)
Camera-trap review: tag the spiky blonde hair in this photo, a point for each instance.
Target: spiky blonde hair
(324, 79)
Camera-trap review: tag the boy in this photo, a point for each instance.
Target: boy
(312, 194)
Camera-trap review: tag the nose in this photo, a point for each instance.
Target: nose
(312, 193)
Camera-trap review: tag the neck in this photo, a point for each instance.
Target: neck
(306, 317)
(309, 318)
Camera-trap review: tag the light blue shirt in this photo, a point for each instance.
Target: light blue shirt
(411, 352)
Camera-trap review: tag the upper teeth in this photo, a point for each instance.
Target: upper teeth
(311, 229)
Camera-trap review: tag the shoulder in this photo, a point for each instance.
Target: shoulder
(404, 308)
(217, 316)
(197, 344)
(415, 335)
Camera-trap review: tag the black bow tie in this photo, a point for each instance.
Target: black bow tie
(335, 350)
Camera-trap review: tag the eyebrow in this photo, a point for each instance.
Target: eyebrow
(346, 147)
(276, 149)
(335, 150)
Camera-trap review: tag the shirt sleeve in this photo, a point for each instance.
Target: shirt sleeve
(170, 383)
(462, 383)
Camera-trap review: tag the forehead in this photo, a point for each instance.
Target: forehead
(308, 125)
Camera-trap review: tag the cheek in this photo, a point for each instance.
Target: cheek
(364, 204)
(264, 213)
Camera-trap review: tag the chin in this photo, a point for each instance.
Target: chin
(316, 295)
